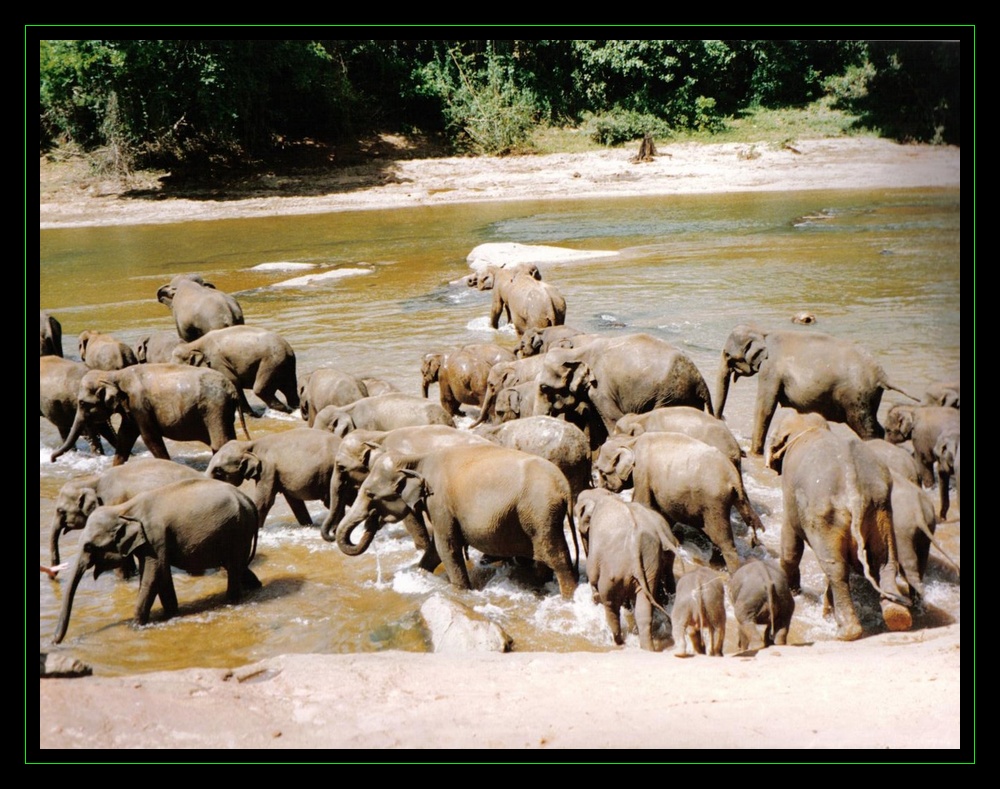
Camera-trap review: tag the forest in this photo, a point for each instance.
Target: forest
(201, 102)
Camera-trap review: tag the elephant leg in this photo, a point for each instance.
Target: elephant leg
(848, 625)
(767, 403)
(612, 615)
(265, 387)
(717, 638)
(451, 548)
(720, 532)
(944, 482)
(792, 547)
(643, 612)
(697, 640)
(747, 634)
(128, 434)
(299, 510)
(154, 442)
(250, 580)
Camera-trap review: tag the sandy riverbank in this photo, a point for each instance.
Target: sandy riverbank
(892, 690)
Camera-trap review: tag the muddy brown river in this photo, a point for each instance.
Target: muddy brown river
(880, 268)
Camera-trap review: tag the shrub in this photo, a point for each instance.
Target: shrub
(623, 126)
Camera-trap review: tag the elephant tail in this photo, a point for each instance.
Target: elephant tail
(572, 532)
(239, 407)
(640, 576)
(941, 550)
(887, 385)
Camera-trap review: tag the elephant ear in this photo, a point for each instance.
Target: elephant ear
(197, 359)
(131, 535)
(250, 466)
(581, 378)
(624, 463)
(486, 280)
(84, 340)
(412, 489)
(755, 351)
(88, 501)
(142, 349)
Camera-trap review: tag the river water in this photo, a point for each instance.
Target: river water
(879, 267)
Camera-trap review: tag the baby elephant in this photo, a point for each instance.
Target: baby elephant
(760, 595)
(699, 613)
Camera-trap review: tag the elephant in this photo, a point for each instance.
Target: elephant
(760, 595)
(103, 352)
(461, 378)
(634, 373)
(377, 386)
(946, 453)
(630, 558)
(687, 420)
(807, 371)
(49, 335)
(539, 340)
(914, 522)
(553, 439)
(383, 412)
(250, 357)
(487, 352)
(198, 307)
(517, 402)
(699, 613)
(838, 498)
(503, 375)
(684, 479)
(195, 525)
(900, 462)
(946, 393)
(78, 498)
(295, 463)
(500, 501)
(158, 401)
(58, 389)
(327, 386)
(804, 317)
(923, 426)
(361, 448)
(529, 302)
(157, 348)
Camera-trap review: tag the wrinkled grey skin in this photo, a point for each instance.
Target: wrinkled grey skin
(807, 371)
(250, 357)
(194, 525)
(528, 302)
(198, 307)
(103, 352)
(914, 522)
(760, 596)
(899, 460)
(699, 613)
(80, 497)
(923, 426)
(630, 559)
(502, 376)
(296, 463)
(686, 420)
(539, 340)
(49, 335)
(461, 378)
(946, 393)
(158, 401)
(487, 352)
(353, 461)
(384, 412)
(837, 497)
(500, 501)
(377, 386)
(685, 480)
(634, 373)
(157, 348)
(327, 386)
(517, 402)
(58, 392)
(553, 439)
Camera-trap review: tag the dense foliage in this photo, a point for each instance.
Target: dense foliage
(194, 101)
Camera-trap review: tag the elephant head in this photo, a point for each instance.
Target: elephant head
(75, 502)
(99, 397)
(185, 354)
(743, 353)
(388, 495)
(564, 383)
(234, 463)
(350, 470)
(899, 424)
(165, 295)
(792, 428)
(430, 367)
(615, 463)
(108, 540)
(83, 342)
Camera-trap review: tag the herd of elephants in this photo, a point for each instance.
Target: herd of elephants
(564, 423)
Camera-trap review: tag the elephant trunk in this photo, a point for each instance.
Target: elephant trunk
(58, 525)
(722, 387)
(338, 505)
(74, 433)
(425, 387)
(359, 514)
(82, 563)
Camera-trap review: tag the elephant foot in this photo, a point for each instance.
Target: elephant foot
(850, 632)
(896, 617)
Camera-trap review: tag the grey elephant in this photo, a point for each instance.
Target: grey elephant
(500, 501)
(487, 352)
(49, 335)
(806, 371)
(298, 464)
(760, 595)
(528, 302)
(194, 525)
(250, 357)
(683, 419)
(630, 558)
(58, 392)
(504, 375)
(914, 522)
(554, 439)
(80, 497)
(837, 498)
(540, 339)
(327, 386)
(156, 348)
(946, 393)
(517, 402)
(198, 307)
(634, 373)
(899, 460)
(353, 462)
(383, 412)
(699, 613)
(461, 378)
(684, 479)
(923, 426)
(158, 401)
(103, 352)
(947, 451)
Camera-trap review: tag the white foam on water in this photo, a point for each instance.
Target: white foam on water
(483, 325)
